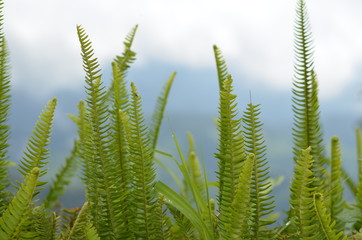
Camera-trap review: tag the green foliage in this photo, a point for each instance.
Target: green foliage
(4, 109)
(117, 152)
(230, 153)
(261, 201)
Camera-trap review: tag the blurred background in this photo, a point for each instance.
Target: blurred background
(256, 38)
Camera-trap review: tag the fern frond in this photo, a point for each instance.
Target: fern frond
(18, 209)
(239, 226)
(327, 228)
(260, 184)
(4, 108)
(306, 130)
(36, 149)
(62, 178)
(359, 152)
(161, 223)
(336, 188)
(39, 225)
(221, 67)
(141, 155)
(230, 152)
(101, 170)
(301, 198)
(159, 110)
(128, 56)
(79, 227)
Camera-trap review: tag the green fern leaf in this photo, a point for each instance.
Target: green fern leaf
(39, 225)
(80, 226)
(141, 154)
(128, 56)
(301, 199)
(327, 228)
(238, 225)
(336, 188)
(62, 178)
(222, 71)
(99, 168)
(260, 185)
(4, 109)
(37, 151)
(159, 110)
(230, 153)
(306, 130)
(18, 210)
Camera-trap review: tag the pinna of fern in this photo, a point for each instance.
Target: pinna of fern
(261, 200)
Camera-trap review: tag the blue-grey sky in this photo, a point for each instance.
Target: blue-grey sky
(255, 36)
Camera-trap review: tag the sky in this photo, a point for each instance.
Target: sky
(256, 38)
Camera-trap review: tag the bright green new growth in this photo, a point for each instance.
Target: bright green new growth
(117, 151)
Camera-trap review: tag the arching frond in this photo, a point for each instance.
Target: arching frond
(221, 67)
(37, 152)
(18, 210)
(262, 203)
(62, 178)
(336, 187)
(230, 152)
(327, 228)
(159, 110)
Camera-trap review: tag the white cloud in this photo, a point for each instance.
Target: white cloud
(255, 36)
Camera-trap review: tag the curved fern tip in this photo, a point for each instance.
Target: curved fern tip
(335, 139)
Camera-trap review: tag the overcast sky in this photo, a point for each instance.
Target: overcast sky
(256, 37)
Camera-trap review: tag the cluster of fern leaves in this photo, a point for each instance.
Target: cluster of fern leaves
(117, 153)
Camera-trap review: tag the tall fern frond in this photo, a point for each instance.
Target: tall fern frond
(327, 228)
(4, 107)
(221, 67)
(262, 203)
(101, 170)
(306, 130)
(62, 178)
(239, 225)
(359, 152)
(230, 152)
(336, 186)
(141, 154)
(159, 110)
(18, 210)
(301, 198)
(37, 152)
